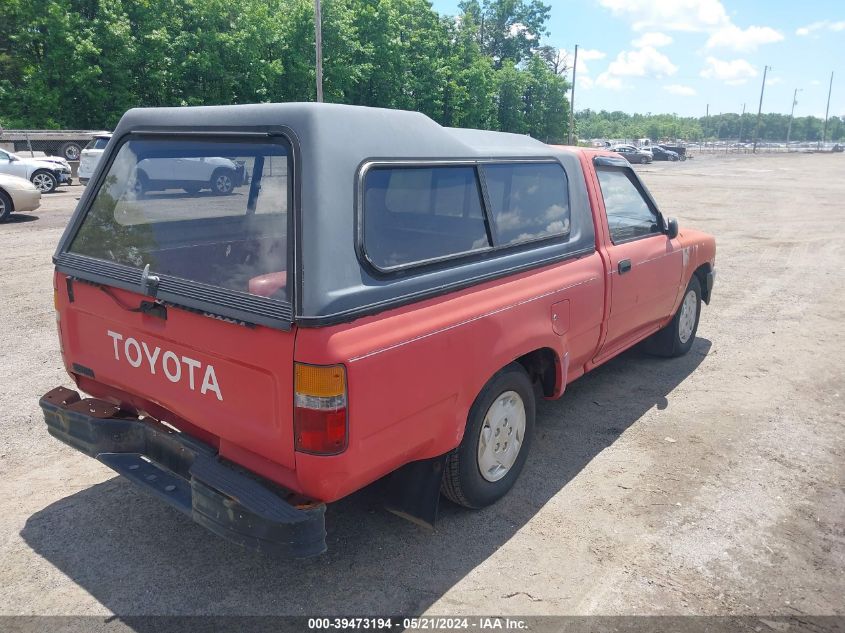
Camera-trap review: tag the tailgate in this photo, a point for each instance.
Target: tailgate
(233, 381)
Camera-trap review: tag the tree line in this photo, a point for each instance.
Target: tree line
(773, 127)
(82, 63)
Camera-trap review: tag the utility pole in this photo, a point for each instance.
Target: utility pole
(741, 122)
(572, 99)
(827, 110)
(760, 110)
(791, 115)
(318, 31)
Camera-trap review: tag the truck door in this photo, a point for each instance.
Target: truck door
(646, 266)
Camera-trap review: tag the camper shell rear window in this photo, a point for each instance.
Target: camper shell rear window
(211, 211)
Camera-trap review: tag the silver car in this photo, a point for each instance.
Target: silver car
(17, 194)
(45, 173)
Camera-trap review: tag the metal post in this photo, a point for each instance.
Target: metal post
(759, 110)
(827, 110)
(741, 123)
(572, 99)
(318, 31)
(791, 115)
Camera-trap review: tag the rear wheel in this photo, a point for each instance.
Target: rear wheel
(223, 182)
(44, 181)
(496, 441)
(5, 206)
(71, 151)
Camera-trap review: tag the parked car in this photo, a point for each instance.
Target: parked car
(17, 194)
(388, 297)
(221, 175)
(633, 154)
(90, 156)
(660, 153)
(838, 147)
(46, 173)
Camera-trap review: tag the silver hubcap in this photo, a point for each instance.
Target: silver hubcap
(2, 207)
(501, 437)
(223, 183)
(687, 321)
(72, 153)
(42, 182)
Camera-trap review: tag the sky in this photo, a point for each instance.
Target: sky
(679, 56)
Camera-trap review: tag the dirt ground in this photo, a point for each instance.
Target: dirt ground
(709, 484)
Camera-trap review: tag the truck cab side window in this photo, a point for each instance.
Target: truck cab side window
(629, 215)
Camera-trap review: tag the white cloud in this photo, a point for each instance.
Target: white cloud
(815, 82)
(652, 38)
(733, 72)
(678, 89)
(670, 15)
(586, 82)
(823, 24)
(646, 61)
(641, 62)
(584, 55)
(773, 81)
(702, 16)
(743, 40)
(518, 28)
(608, 81)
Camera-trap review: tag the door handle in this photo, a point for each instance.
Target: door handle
(624, 266)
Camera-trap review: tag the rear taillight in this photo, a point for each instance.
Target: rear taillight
(319, 417)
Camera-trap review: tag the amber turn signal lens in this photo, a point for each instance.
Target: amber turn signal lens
(320, 381)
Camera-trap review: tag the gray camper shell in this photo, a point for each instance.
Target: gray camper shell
(346, 165)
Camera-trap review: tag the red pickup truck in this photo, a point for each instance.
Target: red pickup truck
(375, 296)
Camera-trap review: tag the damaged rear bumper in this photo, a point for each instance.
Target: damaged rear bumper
(188, 475)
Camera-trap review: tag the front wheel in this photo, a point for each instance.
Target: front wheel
(44, 181)
(676, 338)
(496, 441)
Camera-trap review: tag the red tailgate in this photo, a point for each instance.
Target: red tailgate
(232, 381)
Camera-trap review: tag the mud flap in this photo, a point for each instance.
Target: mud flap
(413, 491)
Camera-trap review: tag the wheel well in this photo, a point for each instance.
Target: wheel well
(701, 273)
(10, 199)
(542, 368)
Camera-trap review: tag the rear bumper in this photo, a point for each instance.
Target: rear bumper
(188, 475)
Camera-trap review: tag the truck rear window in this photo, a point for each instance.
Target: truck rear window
(214, 212)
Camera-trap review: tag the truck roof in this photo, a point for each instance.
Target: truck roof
(342, 128)
(333, 145)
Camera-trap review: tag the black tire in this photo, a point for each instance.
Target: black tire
(71, 151)
(668, 341)
(44, 181)
(222, 182)
(5, 206)
(463, 481)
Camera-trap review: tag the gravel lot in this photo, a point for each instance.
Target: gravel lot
(710, 484)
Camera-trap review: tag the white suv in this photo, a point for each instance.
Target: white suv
(90, 156)
(45, 173)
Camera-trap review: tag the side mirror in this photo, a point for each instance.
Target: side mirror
(672, 228)
(13, 158)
